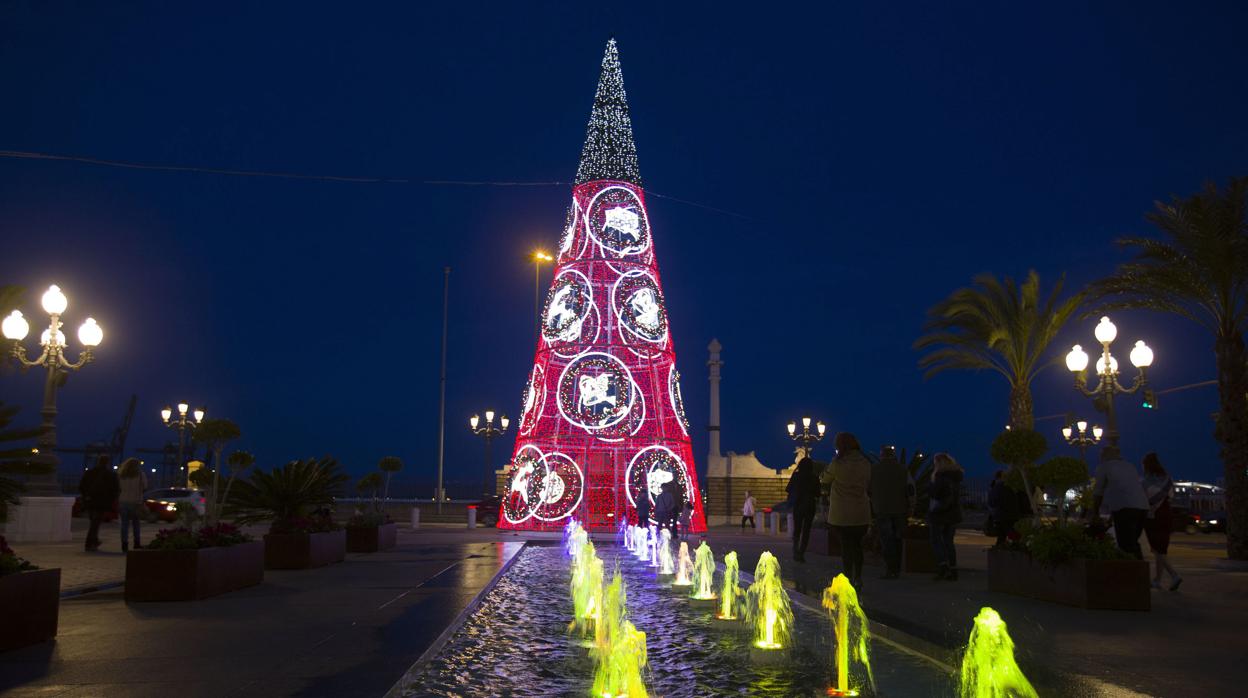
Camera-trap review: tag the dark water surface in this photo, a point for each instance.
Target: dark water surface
(517, 644)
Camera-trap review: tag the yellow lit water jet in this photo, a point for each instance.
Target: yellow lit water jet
(684, 567)
(730, 592)
(703, 572)
(852, 633)
(988, 667)
(619, 648)
(587, 577)
(767, 605)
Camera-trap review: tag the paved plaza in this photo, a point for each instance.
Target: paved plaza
(353, 629)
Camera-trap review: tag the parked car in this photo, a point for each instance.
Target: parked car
(162, 504)
(1213, 522)
(487, 511)
(1184, 520)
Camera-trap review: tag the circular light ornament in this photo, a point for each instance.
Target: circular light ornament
(571, 243)
(15, 326)
(598, 394)
(1105, 331)
(638, 306)
(1077, 359)
(617, 222)
(562, 487)
(525, 487)
(653, 467)
(534, 399)
(569, 308)
(54, 302)
(678, 400)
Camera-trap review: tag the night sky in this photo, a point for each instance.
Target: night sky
(847, 168)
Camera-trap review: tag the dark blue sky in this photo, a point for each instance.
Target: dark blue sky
(877, 158)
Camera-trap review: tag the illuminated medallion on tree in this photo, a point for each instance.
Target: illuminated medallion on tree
(602, 422)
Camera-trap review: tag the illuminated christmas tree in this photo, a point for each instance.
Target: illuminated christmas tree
(603, 423)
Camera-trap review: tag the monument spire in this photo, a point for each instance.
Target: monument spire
(609, 151)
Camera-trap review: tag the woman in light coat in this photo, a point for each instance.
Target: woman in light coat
(849, 509)
(130, 500)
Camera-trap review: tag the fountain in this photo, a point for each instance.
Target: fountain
(586, 588)
(630, 537)
(619, 648)
(767, 609)
(704, 574)
(667, 566)
(641, 546)
(654, 545)
(576, 539)
(988, 667)
(731, 590)
(684, 567)
(841, 600)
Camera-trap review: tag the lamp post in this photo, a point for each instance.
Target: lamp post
(488, 431)
(15, 329)
(183, 425)
(805, 437)
(1108, 384)
(1077, 435)
(539, 256)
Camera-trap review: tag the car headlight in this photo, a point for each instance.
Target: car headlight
(171, 507)
(1213, 521)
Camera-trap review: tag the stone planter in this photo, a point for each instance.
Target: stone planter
(186, 575)
(29, 607)
(299, 551)
(1108, 584)
(371, 539)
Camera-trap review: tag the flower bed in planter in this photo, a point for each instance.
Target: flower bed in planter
(1108, 584)
(370, 533)
(183, 566)
(30, 601)
(298, 550)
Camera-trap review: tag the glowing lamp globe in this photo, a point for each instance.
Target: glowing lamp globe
(806, 422)
(1100, 365)
(1081, 425)
(1096, 432)
(199, 414)
(489, 416)
(1141, 355)
(90, 333)
(504, 421)
(1066, 432)
(15, 326)
(474, 420)
(821, 427)
(792, 427)
(54, 302)
(1077, 359)
(183, 407)
(1105, 331)
(46, 336)
(166, 413)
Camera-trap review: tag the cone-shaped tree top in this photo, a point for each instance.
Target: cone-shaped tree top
(609, 151)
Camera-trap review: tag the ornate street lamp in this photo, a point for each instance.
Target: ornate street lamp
(183, 425)
(15, 329)
(1108, 384)
(539, 257)
(487, 432)
(805, 437)
(1077, 435)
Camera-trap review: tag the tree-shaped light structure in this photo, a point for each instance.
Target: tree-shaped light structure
(602, 421)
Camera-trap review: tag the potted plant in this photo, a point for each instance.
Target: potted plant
(30, 600)
(296, 499)
(370, 531)
(1069, 564)
(184, 564)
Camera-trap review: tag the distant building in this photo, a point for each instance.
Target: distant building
(1198, 496)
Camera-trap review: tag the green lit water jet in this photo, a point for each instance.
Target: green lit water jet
(988, 667)
(730, 592)
(767, 605)
(684, 567)
(586, 586)
(852, 631)
(703, 573)
(619, 648)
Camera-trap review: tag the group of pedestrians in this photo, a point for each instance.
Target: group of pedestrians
(860, 493)
(102, 487)
(1137, 505)
(669, 511)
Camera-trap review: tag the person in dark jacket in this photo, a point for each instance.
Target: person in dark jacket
(667, 507)
(1004, 507)
(944, 513)
(803, 492)
(99, 488)
(891, 493)
(643, 508)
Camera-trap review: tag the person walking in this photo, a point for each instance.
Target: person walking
(1157, 525)
(644, 508)
(686, 520)
(1004, 507)
(1118, 488)
(849, 510)
(944, 513)
(133, 483)
(747, 511)
(99, 489)
(803, 489)
(890, 492)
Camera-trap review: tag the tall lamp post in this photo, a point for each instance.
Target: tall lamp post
(15, 329)
(487, 432)
(1077, 435)
(183, 425)
(805, 437)
(539, 256)
(1108, 384)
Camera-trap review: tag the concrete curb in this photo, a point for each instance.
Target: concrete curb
(73, 592)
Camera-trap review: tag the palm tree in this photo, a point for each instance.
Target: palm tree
(998, 326)
(389, 465)
(216, 433)
(15, 453)
(1199, 270)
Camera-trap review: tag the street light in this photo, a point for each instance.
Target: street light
(488, 431)
(1108, 384)
(539, 256)
(15, 328)
(183, 425)
(1077, 435)
(805, 437)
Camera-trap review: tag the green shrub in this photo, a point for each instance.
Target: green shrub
(292, 492)
(1053, 544)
